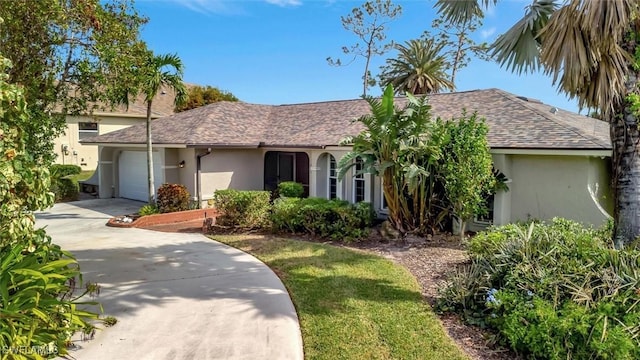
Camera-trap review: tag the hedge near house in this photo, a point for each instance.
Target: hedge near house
(37, 312)
(242, 209)
(332, 219)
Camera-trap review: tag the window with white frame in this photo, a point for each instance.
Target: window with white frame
(332, 183)
(358, 181)
(87, 130)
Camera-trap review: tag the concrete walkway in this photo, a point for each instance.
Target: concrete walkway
(176, 296)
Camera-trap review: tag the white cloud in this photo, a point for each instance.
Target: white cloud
(207, 7)
(285, 3)
(487, 33)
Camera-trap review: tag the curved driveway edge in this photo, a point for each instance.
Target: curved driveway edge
(176, 296)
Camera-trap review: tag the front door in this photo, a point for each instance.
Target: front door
(286, 167)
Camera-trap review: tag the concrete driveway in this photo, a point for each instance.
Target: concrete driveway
(176, 296)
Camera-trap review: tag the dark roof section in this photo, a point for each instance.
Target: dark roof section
(163, 105)
(514, 122)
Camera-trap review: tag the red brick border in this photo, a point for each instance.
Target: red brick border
(168, 218)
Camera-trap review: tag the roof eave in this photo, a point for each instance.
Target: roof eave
(600, 152)
(224, 145)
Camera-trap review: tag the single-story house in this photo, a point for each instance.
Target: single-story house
(557, 162)
(104, 120)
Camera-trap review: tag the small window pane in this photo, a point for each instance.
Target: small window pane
(333, 189)
(332, 177)
(359, 190)
(358, 181)
(88, 126)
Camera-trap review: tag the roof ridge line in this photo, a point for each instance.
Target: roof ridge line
(524, 103)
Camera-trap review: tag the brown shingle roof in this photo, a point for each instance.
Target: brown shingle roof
(514, 122)
(163, 105)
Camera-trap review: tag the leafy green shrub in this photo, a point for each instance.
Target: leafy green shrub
(242, 209)
(172, 198)
(36, 276)
(290, 189)
(332, 219)
(65, 189)
(60, 171)
(37, 285)
(148, 210)
(365, 213)
(553, 291)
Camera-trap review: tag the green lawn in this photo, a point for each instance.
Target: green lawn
(351, 305)
(84, 175)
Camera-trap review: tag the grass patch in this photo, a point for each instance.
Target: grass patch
(84, 175)
(351, 305)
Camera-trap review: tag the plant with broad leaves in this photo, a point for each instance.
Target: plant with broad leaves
(38, 307)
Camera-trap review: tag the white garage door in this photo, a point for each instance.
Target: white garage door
(133, 174)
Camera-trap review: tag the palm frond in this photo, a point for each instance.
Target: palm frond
(158, 75)
(418, 69)
(581, 49)
(519, 48)
(461, 11)
(346, 163)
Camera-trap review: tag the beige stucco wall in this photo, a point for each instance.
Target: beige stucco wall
(543, 187)
(240, 169)
(86, 156)
(187, 174)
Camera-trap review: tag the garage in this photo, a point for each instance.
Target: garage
(132, 170)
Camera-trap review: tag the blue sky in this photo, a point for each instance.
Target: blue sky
(274, 51)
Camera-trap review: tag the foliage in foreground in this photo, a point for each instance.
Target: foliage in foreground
(552, 291)
(352, 305)
(37, 311)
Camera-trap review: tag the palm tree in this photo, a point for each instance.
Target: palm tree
(155, 76)
(591, 50)
(391, 146)
(419, 68)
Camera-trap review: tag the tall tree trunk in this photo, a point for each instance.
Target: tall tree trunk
(365, 78)
(150, 156)
(625, 140)
(456, 59)
(626, 177)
